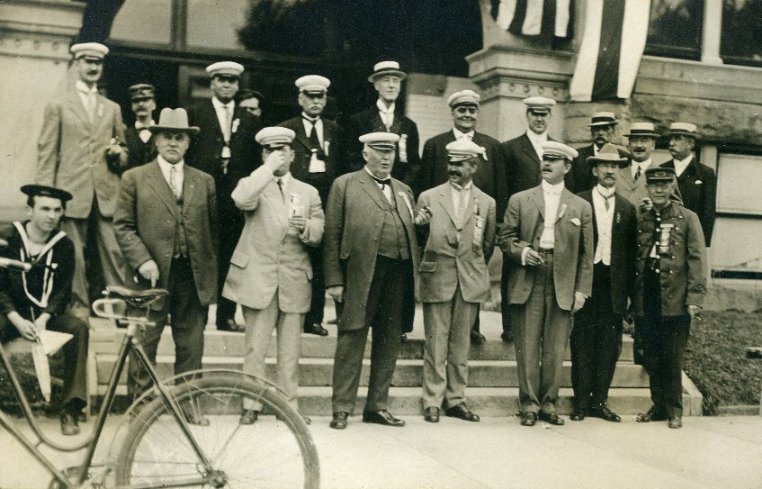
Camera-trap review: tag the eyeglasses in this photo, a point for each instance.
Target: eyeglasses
(466, 110)
(227, 78)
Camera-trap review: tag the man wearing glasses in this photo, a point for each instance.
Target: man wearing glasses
(225, 149)
(489, 176)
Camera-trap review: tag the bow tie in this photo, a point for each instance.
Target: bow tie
(141, 127)
(382, 181)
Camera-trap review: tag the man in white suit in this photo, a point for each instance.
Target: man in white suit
(459, 220)
(270, 270)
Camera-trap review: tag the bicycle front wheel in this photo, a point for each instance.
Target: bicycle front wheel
(275, 452)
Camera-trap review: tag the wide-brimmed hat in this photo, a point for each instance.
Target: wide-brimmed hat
(643, 129)
(174, 120)
(386, 68)
(608, 154)
(683, 129)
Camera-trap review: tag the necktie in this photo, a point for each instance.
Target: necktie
(314, 140)
(173, 181)
(637, 173)
(228, 121)
(461, 209)
(279, 181)
(605, 198)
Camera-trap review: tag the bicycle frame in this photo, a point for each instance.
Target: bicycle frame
(129, 342)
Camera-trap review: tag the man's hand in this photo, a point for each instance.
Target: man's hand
(150, 271)
(42, 321)
(534, 258)
(25, 327)
(423, 216)
(695, 312)
(336, 292)
(646, 204)
(298, 222)
(579, 301)
(275, 160)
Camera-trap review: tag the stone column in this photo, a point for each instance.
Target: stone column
(34, 54)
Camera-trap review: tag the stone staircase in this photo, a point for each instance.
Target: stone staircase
(493, 385)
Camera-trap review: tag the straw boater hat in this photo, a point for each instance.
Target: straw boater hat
(608, 154)
(174, 120)
(643, 129)
(386, 68)
(683, 129)
(602, 119)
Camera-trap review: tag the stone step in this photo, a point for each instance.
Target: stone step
(318, 371)
(105, 339)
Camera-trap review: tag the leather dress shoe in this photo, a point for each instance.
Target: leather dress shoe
(605, 414)
(339, 421)
(506, 336)
(653, 414)
(316, 329)
(552, 418)
(232, 326)
(461, 411)
(528, 419)
(477, 338)
(383, 417)
(69, 424)
(578, 415)
(675, 422)
(431, 414)
(249, 416)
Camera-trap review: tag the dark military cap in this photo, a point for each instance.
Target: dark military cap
(33, 190)
(141, 91)
(660, 174)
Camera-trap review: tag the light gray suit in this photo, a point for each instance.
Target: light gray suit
(629, 188)
(454, 280)
(270, 273)
(72, 156)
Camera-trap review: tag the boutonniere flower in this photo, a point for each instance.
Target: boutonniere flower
(698, 182)
(236, 123)
(403, 195)
(575, 221)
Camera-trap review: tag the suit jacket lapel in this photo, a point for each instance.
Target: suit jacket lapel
(301, 136)
(370, 187)
(215, 121)
(529, 149)
(76, 105)
(445, 200)
(160, 186)
(539, 201)
(189, 188)
(376, 122)
(396, 124)
(563, 204)
(404, 205)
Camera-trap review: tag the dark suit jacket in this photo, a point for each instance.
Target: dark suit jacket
(139, 153)
(580, 177)
(353, 222)
(303, 153)
(698, 190)
(522, 168)
(623, 246)
(206, 147)
(144, 224)
(490, 177)
(370, 121)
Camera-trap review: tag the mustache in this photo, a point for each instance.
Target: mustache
(454, 173)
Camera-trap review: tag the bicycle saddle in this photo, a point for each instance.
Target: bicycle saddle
(136, 298)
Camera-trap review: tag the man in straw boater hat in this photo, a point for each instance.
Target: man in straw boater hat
(166, 225)
(386, 115)
(596, 338)
(370, 258)
(548, 236)
(631, 180)
(317, 161)
(81, 150)
(459, 221)
(602, 128)
(34, 300)
(669, 291)
(696, 182)
(227, 150)
(270, 273)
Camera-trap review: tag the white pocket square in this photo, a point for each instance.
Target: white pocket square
(575, 221)
(698, 182)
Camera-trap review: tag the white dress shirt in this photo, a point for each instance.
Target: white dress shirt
(308, 122)
(179, 177)
(224, 117)
(552, 196)
(537, 140)
(143, 133)
(462, 135)
(88, 96)
(643, 165)
(386, 188)
(460, 196)
(387, 114)
(604, 219)
(681, 165)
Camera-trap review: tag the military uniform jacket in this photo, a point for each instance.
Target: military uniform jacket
(370, 121)
(682, 270)
(354, 218)
(13, 283)
(71, 152)
(144, 224)
(623, 246)
(698, 191)
(489, 177)
(457, 253)
(139, 153)
(271, 257)
(522, 168)
(573, 252)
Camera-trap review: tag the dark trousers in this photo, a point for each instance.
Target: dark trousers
(188, 321)
(384, 313)
(505, 301)
(664, 341)
(74, 395)
(231, 224)
(596, 342)
(317, 303)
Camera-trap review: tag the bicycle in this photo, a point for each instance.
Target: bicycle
(157, 444)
